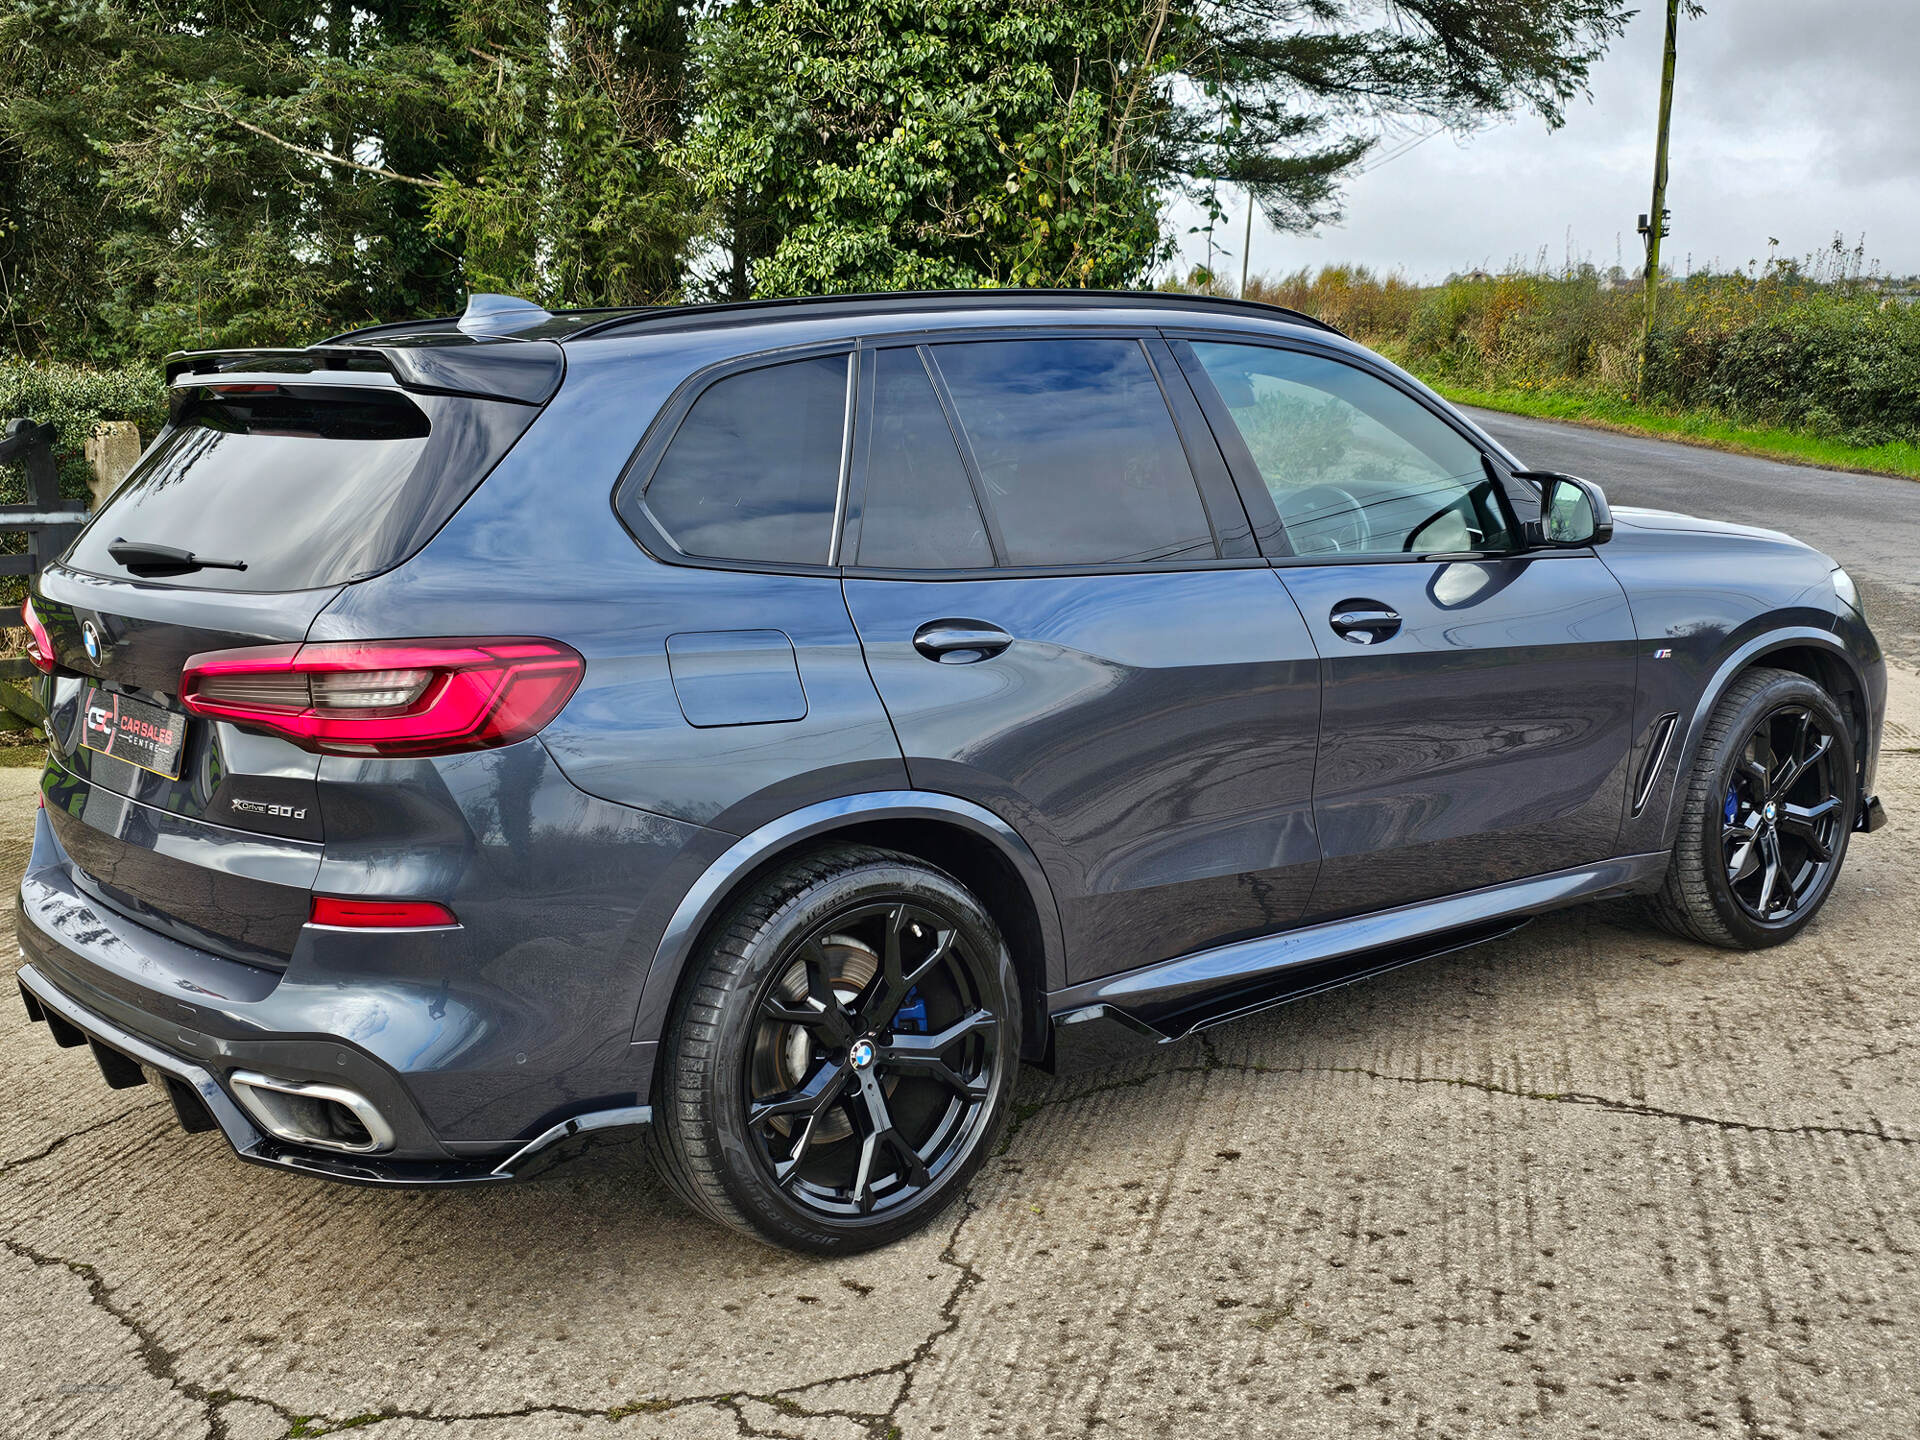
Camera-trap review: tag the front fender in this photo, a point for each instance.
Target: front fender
(720, 879)
(1735, 662)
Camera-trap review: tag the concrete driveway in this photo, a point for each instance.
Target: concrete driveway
(1586, 1181)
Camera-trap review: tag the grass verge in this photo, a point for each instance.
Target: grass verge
(34, 754)
(1694, 427)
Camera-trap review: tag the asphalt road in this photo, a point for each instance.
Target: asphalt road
(1869, 523)
(1585, 1181)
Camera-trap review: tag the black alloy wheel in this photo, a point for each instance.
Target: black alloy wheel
(1766, 806)
(874, 1058)
(842, 1057)
(1782, 815)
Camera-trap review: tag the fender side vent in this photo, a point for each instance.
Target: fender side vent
(1656, 757)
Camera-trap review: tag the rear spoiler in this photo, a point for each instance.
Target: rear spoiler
(525, 371)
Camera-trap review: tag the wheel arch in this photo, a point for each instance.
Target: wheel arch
(1817, 654)
(968, 841)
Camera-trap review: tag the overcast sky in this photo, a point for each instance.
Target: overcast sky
(1792, 119)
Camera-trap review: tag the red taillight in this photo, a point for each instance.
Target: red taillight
(345, 914)
(39, 643)
(388, 697)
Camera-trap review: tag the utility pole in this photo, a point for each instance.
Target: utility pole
(1246, 244)
(1653, 225)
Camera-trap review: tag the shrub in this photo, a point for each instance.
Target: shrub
(1824, 352)
(73, 400)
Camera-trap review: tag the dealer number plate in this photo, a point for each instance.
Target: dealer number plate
(132, 730)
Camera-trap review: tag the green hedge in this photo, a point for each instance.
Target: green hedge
(1844, 367)
(1839, 360)
(73, 400)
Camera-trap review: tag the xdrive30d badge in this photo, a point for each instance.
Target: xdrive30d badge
(762, 729)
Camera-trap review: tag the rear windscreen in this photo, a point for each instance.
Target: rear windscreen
(305, 486)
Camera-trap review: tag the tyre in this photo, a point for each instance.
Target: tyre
(1768, 807)
(842, 1057)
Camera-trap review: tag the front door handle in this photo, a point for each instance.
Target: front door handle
(1364, 622)
(960, 642)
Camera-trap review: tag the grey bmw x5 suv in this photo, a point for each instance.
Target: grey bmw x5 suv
(760, 729)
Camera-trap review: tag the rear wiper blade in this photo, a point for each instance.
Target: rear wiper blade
(145, 559)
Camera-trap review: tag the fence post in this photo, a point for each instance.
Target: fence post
(112, 450)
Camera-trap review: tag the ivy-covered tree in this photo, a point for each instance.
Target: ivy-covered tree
(915, 144)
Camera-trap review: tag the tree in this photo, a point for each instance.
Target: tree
(848, 144)
(211, 172)
(1285, 97)
(844, 145)
(571, 199)
(254, 171)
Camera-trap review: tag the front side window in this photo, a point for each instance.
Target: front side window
(754, 469)
(1077, 453)
(1354, 465)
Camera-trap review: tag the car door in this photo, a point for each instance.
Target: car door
(1476, 700)
(1069, 623)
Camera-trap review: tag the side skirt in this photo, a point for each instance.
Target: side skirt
(1105, 1020)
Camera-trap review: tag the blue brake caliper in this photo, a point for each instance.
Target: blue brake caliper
(1733, 805)
(912, 1014)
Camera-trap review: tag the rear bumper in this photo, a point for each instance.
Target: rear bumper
(200, 1102)
(152, 1008)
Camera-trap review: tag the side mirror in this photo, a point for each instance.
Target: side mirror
(1573, 512)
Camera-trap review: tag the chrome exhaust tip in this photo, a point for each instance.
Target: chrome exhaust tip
(304, 1112)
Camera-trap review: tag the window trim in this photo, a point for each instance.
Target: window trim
(1146, 338)
(1269, 529)
(627, 498)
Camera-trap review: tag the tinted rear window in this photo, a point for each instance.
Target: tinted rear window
(920, 512)
(754, 469)
(1079, 459)
(308, 488)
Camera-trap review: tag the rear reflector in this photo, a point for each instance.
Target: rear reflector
(345, 914)
(39, 643)
(388, 697)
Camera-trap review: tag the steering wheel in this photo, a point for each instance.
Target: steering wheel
(1326, 517)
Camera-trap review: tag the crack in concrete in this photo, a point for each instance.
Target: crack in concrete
(8, 1166)
(1874, 1052)
(155, 1358)
(1874, 1131)
(162, 1364)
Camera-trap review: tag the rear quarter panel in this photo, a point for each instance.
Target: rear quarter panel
(539, 551)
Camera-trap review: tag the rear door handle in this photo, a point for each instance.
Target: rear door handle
(960, 642)
(1364, 622)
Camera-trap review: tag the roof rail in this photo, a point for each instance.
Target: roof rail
(450, 324)
(1102, 299)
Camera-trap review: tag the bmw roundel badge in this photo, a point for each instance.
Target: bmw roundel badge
(90, 637)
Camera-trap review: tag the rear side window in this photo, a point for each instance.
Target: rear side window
(753, 471)
(1078, 456)
(306, 486)
(919, 513)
